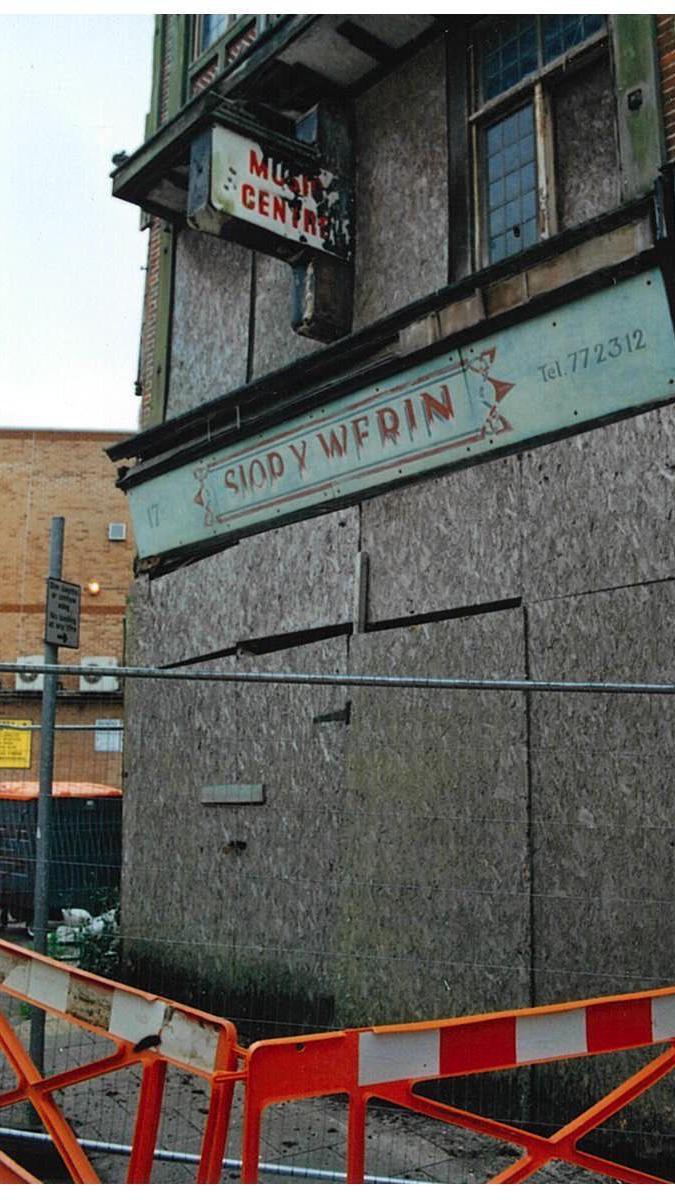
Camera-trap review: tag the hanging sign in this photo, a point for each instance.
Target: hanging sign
(609, 352)
(235, 181)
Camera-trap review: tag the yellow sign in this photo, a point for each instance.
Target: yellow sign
(15, 744)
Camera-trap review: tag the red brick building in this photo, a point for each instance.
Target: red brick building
(47, 473)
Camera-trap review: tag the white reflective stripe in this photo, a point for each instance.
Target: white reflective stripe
(18, 976)
(189, 1041)
(48, 985)
(551, 1035)
(663, 1018)
(133, 1017)
(384, 1057)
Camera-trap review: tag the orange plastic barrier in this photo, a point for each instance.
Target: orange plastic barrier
(386, 1062)
(11, 1172)
(144, 1029)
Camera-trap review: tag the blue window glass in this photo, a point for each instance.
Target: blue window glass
(512, 181)
(213, 24)
(509, 54)
(561, 33)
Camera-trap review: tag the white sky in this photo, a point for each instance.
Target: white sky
(74, 90)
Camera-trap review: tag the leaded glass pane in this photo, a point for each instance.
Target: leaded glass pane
(560, 33)
(512, 178)
(215, 24)
(509, 54)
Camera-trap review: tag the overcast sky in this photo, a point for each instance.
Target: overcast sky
(75, 89)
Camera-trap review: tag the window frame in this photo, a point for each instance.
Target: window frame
(536, 86)
(201, 57)
(234, 24)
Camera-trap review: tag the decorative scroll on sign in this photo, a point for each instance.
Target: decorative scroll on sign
(585, 362)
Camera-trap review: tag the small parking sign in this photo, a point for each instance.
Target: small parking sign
(62, 625)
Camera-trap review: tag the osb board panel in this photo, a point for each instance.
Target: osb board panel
(296, 578)
(598, 508)
(245, 891)
(443, 544)
(402, 187)
(209, 346)
(587, 177)
(436, 919)
(177, 735)
(275, 344)
(601, 784)
(292, 846)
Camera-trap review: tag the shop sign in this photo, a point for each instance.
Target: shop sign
(248, 184)
(15, 745)
(607, 353)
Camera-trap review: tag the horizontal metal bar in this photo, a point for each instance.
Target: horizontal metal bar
(180, 1156)
(423, 682)
(91, 728)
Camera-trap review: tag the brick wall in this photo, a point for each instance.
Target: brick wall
(665, 26)
(46, 473)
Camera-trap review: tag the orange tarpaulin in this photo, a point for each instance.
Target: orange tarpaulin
(18, 789)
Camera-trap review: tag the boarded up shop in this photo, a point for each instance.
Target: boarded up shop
(408, 371)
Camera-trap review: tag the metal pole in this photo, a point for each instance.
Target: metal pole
(44, 814)
(423, 682)
(182, 1156)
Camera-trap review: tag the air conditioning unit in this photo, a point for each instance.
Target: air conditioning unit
(117, 531)
(98, 683)
(28, 678)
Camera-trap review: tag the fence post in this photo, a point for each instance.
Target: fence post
(44, 815)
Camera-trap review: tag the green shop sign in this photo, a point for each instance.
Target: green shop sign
(608, 352)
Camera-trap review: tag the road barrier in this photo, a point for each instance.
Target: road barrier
(387, 1062)
(383, 1063)
(145, 1029)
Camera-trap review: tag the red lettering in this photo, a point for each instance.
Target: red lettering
(410, 414)
(388, 424)
(334, 447)
(310, 221)
(242, 478)
(301, 456)
(262, 476)
(229, 480)
(263, 203)
(275, 464)
(440, 408)
(248, 195)
(257, 166)
(360, 437)
(324, 225)
(279, 208)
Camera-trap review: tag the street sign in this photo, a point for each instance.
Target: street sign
(62, 624)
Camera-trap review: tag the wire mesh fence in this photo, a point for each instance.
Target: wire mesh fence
(308, 856)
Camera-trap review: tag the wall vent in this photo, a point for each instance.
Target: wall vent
(28, 678)
(98, 683)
